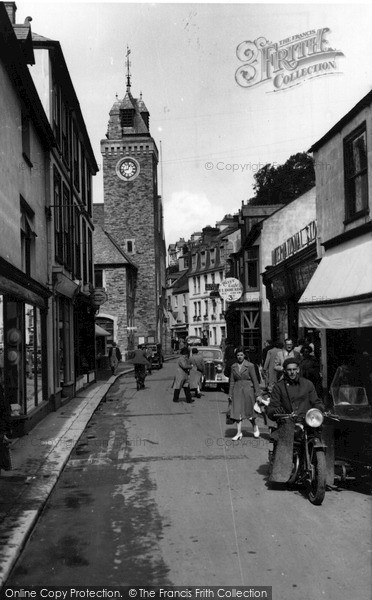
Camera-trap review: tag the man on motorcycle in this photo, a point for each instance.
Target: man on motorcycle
(292, 393)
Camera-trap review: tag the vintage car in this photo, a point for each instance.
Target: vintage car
(194, 340)
(213, 368)
(157, 358)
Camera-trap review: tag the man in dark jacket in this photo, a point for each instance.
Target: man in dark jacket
(293, 393)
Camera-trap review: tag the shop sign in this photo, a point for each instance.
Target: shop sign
(98, 297)
(211, 287)
(230, 289)
(295, 243)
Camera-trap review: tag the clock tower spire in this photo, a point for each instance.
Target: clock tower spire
(133, 212)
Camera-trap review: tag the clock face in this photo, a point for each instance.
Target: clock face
(127, 169)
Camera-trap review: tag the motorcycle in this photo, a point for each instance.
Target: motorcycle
(298, 453)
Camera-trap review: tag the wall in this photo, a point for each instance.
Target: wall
(330, 189)
(18, 178)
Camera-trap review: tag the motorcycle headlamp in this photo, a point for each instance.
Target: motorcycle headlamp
(314, 418)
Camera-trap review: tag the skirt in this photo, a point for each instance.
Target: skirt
(243, 400)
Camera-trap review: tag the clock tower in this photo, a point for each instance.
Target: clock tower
(133, 215)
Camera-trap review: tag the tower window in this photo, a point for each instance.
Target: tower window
(130, 246)
(127, 118)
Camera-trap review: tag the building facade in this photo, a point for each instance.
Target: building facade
(133, 217)
(46, 315)
(338, 299)
(246, 318)
(289, 253)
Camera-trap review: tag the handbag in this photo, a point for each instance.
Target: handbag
(229, 420)
(5, 457)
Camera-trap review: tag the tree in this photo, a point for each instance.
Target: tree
(281, 184)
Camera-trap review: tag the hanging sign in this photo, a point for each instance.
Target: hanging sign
(230, 289)
(98, 297)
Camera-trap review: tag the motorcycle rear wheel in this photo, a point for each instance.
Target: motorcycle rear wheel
(317, 484)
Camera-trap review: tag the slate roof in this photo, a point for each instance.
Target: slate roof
(107, 251)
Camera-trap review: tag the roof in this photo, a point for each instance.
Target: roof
(365, 101)
(107, 251)
(14, 61)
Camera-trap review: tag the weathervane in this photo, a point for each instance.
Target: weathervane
(128, 68)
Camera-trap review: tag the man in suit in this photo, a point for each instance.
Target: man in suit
(282, 355)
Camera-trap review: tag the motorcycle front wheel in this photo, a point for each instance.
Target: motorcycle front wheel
(317, 484)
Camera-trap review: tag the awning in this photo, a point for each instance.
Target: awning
(339, 295)
(100, 331)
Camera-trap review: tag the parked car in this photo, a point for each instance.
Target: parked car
(194, 340)
(214, 368)
(157, 355)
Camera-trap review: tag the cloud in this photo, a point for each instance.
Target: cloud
(187, 212)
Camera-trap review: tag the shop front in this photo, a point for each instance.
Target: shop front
(338, 302)
(23, 368)
(285, 283)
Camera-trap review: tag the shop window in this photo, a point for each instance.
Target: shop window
(21, 368)
(356, 177)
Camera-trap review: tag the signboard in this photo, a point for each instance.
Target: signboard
(295, 243)
(211, 287)
(98, 296)
(230, 289)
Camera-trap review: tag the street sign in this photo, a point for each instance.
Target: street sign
(98, 297)
(230, 289)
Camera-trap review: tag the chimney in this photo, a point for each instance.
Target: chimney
(11, 9)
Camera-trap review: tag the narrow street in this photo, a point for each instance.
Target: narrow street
(157, 493)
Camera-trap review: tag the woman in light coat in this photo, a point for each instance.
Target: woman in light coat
(243, 391)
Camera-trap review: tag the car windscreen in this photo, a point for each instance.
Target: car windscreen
(208, 354)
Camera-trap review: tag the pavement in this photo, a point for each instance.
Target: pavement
(38, 458)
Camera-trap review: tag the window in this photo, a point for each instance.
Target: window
(130, 246)
(26, 138)
(27, 236)
(77, 237)
(66, 213)
(58, 217)
(203, 259)
(251, 268)
(90, 256)
(65, 134)
(56, 113)
(356, 177)
(127, 118)
(213, 256)
(76, 161)
(98, 278)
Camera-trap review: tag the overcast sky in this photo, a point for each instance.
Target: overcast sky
(214, 133)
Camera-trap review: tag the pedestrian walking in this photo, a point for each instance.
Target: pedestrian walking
(148, 355)
(197, 371)
(269, 372)
(140, 363)
(182, 379)
(243, 391)
(267, 346)
(114, 357)
(287, 352)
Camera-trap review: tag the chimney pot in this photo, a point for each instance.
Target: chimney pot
(11, 9)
